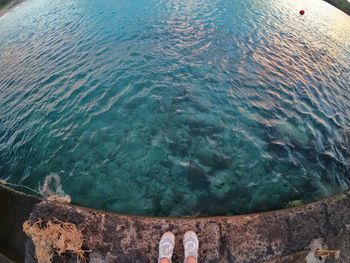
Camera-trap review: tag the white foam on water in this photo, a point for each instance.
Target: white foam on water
(52, 189)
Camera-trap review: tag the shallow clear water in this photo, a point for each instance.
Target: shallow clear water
(166, 107)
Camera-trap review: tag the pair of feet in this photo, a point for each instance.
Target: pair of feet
(167, 244)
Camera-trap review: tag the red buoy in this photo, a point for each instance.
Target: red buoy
(302, 12)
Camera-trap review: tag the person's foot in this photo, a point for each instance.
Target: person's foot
(166, 246)
(191, 245)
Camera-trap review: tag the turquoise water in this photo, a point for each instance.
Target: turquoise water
(167, 107)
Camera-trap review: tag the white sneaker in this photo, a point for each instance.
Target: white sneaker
(191, 245)
(166, 246)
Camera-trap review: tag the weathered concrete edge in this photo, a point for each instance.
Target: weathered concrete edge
(345, 7)
(9, 6)
(4, 259)
(15, 208)
(277, 236)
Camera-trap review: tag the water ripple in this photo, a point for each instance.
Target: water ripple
(168, 107)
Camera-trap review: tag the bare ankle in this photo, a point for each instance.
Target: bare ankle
(191, 260)
(164, 260)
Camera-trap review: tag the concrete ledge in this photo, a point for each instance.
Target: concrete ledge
(273, 237)
(15, 208)
(4, 259)
(8, 5)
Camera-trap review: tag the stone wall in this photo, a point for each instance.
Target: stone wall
(281, 236)
(15, 208)
(343, 5)
(6, 5)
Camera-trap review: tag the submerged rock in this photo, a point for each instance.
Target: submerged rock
(222, 183)
(196, 175)
(221, 161)
(294, 203)
(290, 132)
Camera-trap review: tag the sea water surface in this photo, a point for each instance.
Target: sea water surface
(177, 107)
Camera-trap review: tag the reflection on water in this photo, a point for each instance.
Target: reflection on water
(167, 107)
